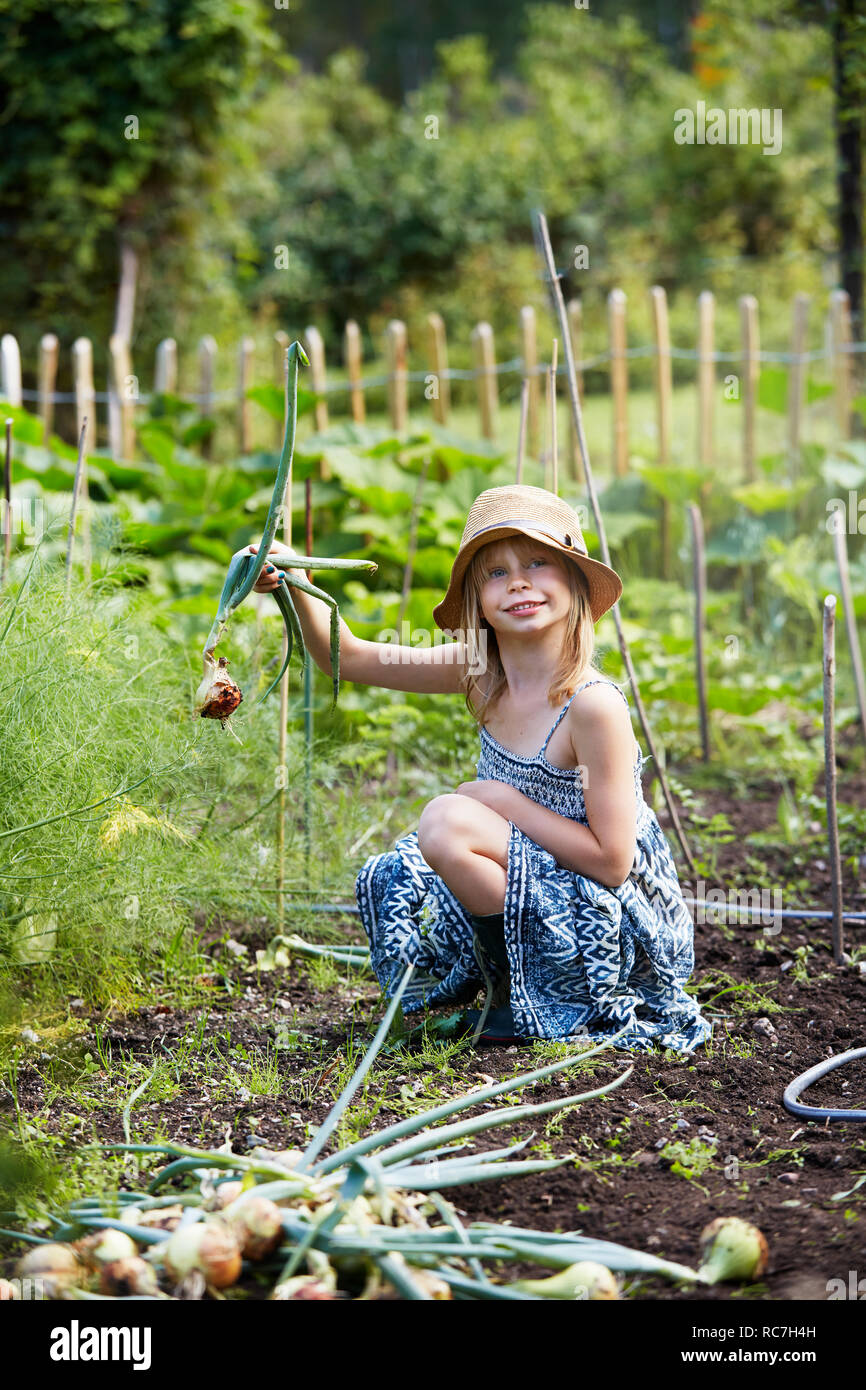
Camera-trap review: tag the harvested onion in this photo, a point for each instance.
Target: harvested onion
(56, 1265)
(122, 1278)
(207, 1246)
(303, 1286)
(584, 1280)
(222, 1196)
(257, 1224)
(732, 1249)
(218, 696)
(8, 1292)
(104, 1247)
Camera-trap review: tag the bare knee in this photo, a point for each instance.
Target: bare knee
(443, 827)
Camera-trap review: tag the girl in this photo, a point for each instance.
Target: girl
(548, 878)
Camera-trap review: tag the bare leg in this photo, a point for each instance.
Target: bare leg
(466, 844)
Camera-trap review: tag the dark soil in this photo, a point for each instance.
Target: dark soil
(620, 1182)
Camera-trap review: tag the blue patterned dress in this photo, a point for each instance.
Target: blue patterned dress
(584, 959)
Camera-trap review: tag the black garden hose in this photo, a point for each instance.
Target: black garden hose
(808, 1078)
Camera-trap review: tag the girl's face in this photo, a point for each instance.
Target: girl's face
(524, 586)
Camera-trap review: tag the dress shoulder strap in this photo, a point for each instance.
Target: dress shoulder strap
(597, 680)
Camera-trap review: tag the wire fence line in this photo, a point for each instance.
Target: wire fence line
(514, 366)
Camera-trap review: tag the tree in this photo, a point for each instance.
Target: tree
(120, 120)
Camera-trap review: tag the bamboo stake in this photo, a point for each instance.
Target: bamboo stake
(837, 927)
(398, 382)
(751, 367)
(281, 343)
(284, 683)
(664, 393)
(840, 321)
(80, 473)
(165, 368)
(352, 348)
(406, 589)
(797, 379)
(7, 503)
(10, 370)
(575, 328)
(308, 699)
(529, 349)
(207, 350)
(616, 302)
(699, 579)
(706, 377)
(551, 415)
(545, 250)
(246, 350)
(485, 362)
(438, 347)
(316, 354)
(49, 351)
(841, 546)
(521, 437)
(85, 412)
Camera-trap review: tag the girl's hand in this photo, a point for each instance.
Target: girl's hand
(271, 575)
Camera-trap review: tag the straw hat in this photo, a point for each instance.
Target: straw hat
(526, 511)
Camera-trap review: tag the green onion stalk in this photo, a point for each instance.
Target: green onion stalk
(369, 1216)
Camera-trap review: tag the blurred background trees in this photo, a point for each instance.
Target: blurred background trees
(396, 156)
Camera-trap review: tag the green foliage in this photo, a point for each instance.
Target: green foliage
(123, 121)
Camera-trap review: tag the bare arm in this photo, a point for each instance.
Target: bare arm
(427, 670)
(604, 849)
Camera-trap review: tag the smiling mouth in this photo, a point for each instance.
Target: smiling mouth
(529, 607)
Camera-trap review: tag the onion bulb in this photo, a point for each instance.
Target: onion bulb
(122, 1278)
(222, 1196)
(257, 1225)
(104, 1247)
(732, 1249)
(157, 1218)
(207, 1246)
(217, 697)
(8, 1291)
(56, 1265)
(584, 1280)
(303, 1286)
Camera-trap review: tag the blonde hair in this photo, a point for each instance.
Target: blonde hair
(578, 648)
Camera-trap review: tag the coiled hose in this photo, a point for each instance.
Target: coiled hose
(808, 1078)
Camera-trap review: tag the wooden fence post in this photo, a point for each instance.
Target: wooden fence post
(664, 393)
(246, 350)
(352, 350)
(706, 377)
(165, 368)
(85, 404)
(316, 354)
(485, 363)
(438, 348)
(207, 350)
(529, 351)
(797, 378)
(840, 327)
(751, 368)
(10, 369)
(616, 302)
(281, 343)
(122, 395)
(396, 349)
(49, 350)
